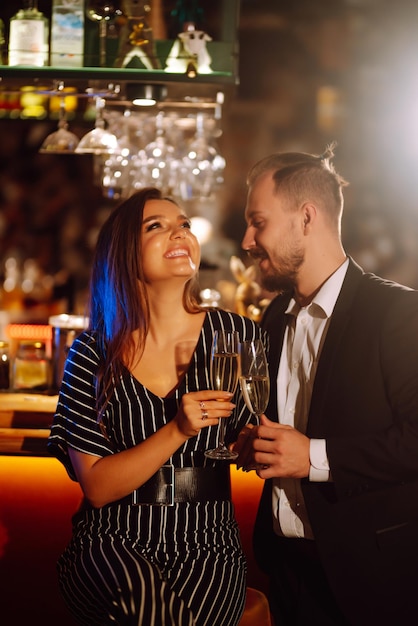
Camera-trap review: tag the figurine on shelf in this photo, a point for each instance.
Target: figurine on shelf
(189, 54)
(136, 47)
(249, 299)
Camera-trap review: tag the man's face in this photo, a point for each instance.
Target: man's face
(273, 236)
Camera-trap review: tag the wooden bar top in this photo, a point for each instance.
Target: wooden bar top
(35, 402)
(25, 421)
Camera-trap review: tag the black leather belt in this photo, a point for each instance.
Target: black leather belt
(185, 484)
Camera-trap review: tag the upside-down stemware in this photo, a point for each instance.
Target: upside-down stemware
(99, 140)
(61, 141)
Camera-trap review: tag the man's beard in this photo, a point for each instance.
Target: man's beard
(282, 280)
(276, 284)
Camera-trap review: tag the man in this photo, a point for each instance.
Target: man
(337, 526)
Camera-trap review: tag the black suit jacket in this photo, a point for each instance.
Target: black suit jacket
(365, 404)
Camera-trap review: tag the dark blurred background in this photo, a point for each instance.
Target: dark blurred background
(311, 71)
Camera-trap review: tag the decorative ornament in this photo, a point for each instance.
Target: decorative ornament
(189, 54)
(136, 47)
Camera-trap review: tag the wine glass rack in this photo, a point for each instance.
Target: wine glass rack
(182, 92)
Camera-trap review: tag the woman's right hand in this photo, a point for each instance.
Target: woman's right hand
(200, 409)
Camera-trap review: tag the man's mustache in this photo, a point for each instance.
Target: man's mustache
(257, 254)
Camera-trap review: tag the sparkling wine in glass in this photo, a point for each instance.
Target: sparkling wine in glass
(254, 380)
(254, 377)
(224, 375)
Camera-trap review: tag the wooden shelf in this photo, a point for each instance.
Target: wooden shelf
(14, 76)
(111, 82)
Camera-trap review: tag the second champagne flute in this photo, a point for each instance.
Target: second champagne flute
(254, 380)
(224, 368)
(254, 377)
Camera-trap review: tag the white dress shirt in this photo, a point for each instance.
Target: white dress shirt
(304, 337)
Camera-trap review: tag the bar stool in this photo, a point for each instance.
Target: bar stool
(256, 612)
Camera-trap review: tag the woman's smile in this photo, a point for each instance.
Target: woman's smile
(177, 252)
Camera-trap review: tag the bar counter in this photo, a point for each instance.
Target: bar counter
(25, 420)
(37, 501)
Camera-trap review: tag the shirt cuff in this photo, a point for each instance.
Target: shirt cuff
(319, 471)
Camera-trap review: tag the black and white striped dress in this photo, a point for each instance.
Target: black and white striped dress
(178, 565)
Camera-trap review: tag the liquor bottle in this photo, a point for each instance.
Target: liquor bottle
(106, 14)
(2, 44)
(4, 365)
(67, 33)
(29, 36)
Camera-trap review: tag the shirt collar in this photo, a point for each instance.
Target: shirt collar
(326, 297)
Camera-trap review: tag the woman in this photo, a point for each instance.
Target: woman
(155, 541)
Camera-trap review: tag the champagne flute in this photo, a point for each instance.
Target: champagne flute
(224, 371)
(254, 380)
(254, 377)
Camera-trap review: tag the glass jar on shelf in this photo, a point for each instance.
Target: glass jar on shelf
(31, 367)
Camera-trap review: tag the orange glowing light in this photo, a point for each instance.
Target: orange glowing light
(29, 331)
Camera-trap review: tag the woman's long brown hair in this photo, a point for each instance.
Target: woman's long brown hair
(118, 298)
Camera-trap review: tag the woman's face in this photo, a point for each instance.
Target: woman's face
(169, 249)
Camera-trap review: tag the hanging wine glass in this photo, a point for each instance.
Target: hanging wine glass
(203, 161)
(103, 12)
(99, 140)
(141, 132)
(61, 141)
(116, 167)
(178, 182)
(159, 155)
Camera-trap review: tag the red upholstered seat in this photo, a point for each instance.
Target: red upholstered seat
(256, 611)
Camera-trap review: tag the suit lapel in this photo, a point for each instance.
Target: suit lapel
(339, 320)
